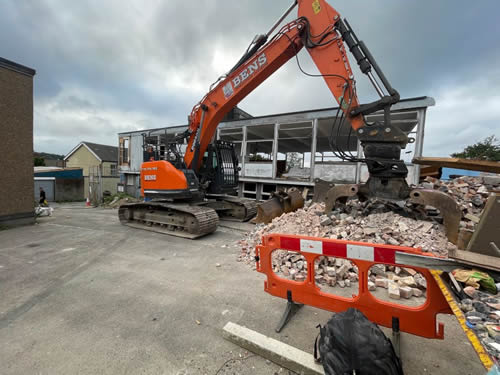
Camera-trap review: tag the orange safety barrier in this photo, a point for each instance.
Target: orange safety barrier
(420, 320)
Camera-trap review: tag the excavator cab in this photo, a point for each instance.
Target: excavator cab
(219, 171)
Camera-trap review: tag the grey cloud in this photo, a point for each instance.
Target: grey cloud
(154, 59)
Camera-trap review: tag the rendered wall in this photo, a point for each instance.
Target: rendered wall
(69, 189)
(82, 158)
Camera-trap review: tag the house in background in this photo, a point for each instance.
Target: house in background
(99, 165)
(16, 143)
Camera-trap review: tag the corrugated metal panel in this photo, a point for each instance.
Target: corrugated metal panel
(62, 173)
(135, 152)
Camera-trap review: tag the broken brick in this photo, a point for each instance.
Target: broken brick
(393, 290)
(405, 292)
(381, 282)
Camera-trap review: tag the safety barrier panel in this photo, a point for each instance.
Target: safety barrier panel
(420, 320)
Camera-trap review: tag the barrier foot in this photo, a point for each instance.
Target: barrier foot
(396, 337)
(290, 310)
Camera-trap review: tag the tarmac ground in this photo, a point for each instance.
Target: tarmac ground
(82, 294)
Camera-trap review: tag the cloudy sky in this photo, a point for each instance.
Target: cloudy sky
(105, 67)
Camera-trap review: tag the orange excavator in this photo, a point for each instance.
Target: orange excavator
(185, 194)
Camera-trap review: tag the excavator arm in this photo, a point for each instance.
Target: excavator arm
(241, 81)
(329, 55)
(320, 29)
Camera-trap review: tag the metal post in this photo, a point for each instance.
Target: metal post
(357, 178)
(275, 150)
(258, 191)
(99, 168)
(243, 151)
(313, 148)
(240, 189)
(419, 142)
(396, 336)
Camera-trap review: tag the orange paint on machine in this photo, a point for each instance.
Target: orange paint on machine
(161, 175)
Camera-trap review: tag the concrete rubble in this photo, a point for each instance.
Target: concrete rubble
(482, 311)
(471, 194)
(117, 202)
(375, 222)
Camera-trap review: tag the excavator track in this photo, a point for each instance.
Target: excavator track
(174, 219)
(234, 208)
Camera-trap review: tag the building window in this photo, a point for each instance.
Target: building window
(112, 170)
(124, 151)
(130, 179)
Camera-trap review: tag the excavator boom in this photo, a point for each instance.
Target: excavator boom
(315, 28)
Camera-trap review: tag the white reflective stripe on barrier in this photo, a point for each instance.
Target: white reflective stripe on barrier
(360, 252)
(310, 246)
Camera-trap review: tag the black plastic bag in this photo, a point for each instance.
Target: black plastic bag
(349, 341)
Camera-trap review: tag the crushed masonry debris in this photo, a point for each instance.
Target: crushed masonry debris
(117, 202)
(481, 310)
(381, 222)
(372, 221)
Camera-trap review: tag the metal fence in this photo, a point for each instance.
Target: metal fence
(95, 185)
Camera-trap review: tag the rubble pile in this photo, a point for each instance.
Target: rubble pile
(482, 311)
(380, 227)
(400, 283)
(372, 221)
(471, 194)
(117, 201)
(381, 222)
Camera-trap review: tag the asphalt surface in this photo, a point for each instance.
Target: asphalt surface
(82, 294)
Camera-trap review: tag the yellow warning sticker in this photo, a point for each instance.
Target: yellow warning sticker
(316, 6)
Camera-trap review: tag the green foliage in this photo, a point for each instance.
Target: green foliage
(48, 156)
(293, 159)
(110, 198)
(39, 162)
(258, 157)
(488, 149)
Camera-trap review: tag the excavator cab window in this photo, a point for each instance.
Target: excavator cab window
(220, 168)
(214, 160)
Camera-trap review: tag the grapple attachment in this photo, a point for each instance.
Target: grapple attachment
(448, 208)
(446, 205)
